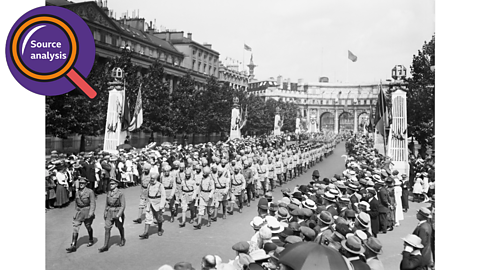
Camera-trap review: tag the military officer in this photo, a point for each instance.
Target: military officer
(206, 189)
(155, 205)
(169, 184)
(114, 208)
(85, 207)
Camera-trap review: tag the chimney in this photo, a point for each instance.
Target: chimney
(150, 29)
(280, 81)
(288, 84)
(300, 81)
(189, 36)
(124, 19)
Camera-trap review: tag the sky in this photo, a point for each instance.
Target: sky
(300, 39)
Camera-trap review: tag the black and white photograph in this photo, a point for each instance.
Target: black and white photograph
(235, 135)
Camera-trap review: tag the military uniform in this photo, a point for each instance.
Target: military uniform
(222, 186)
(188, 188)
(169, 184)
(206, 189)
(114, 208)
(238, 187)
(155, 205)
(85, 207)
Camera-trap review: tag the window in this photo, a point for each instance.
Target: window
(108, 39)
(193, 64)
(368, 101)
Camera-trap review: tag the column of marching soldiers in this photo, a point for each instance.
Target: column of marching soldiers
(204, 185)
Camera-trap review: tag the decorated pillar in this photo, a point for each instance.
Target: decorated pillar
(114, 136)
(397, 139)
(297, 123)
(235, 121)
(355, 121)
(278, 123)
(336, 121)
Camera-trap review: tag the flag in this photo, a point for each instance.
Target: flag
(381, 112)
(137, 119)
(125, 115)
(352, 57)
(246, 47)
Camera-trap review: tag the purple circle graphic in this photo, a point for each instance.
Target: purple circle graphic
(53, 34)
(44, 48)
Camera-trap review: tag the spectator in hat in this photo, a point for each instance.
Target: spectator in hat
(412, 258)
(384, 207)
(50, 187)
(405, 192)
(325, 219)
(424, 232)
(61, 197)
(373, 248)
(329, 202)
(418, 189)
(374, 212)
(183, 266)
(262, 207)
(209, 262)
(351, 249)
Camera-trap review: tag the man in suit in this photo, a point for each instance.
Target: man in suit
(374, 211)
(351, 249)
(384, 206)
(88, 171)
(424, 232)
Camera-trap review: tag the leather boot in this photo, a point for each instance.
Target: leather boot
(138, 220)
(198, 223)
(224, 211)
(209, 221)
(122, 236)
(145, 234)
(107, 239)
(160, 230)
(90, 237)
(73, 247)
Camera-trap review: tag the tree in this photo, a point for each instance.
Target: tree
(156, 102)
(421, 96)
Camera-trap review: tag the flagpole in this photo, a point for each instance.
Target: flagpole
(243, 60)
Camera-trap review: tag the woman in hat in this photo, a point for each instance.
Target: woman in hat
(61, 189)
(50, 194)
(412, 255)
(418, 189)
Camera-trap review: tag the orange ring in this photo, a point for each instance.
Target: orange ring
(58, 73)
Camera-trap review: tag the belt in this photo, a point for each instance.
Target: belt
(169, 188)
(187, 191)
(236, 184)
(154, 197)
(83, 206)
(206, 190)
(220, 187)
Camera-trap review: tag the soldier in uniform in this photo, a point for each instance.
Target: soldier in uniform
(114, 208)
(169, 184)
(85, 207)
(155, 205)
(144, 181)
(179, 176)
(271, 173)
(188, 190)
(262, 175)
(206, 189)
(279, 170)
(238, 189)
(222, 186)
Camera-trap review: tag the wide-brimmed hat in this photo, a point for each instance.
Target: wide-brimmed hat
(257, 222)
(325, 217)
(413, 240)
(363, 219)
(275, 226)
(353, 245)
(310, 204)
(425, 212)
(308, 233)
(374, 245)
(329, 196)
(82, 180)
(259, 255)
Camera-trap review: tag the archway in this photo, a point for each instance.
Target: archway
(327, 121)
(345, 122)
(363, 121)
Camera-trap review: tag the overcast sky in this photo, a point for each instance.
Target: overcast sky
(300, 39)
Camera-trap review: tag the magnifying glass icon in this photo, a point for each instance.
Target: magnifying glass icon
(67, 70)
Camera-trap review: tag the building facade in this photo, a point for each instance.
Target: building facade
(230, 76)
(112, 36)
(323, 106)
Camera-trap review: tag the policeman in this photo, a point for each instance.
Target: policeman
(155, 205)
(144, 181)
(206, 189)
(85, 207)
(113, 214)
(169, 184)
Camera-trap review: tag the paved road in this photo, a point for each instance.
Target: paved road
(179, 244)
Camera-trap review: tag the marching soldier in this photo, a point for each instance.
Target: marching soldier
(179, 177)
(262, 175)
(188, 194)
(169, 184)
(206, 189)
(114, 209)
(155, 205)
(279, 170)
(85, 207)
(222, 186)
(144, 181)
(238, 189)
(271, 173)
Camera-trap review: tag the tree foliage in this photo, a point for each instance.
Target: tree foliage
(421, 96)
